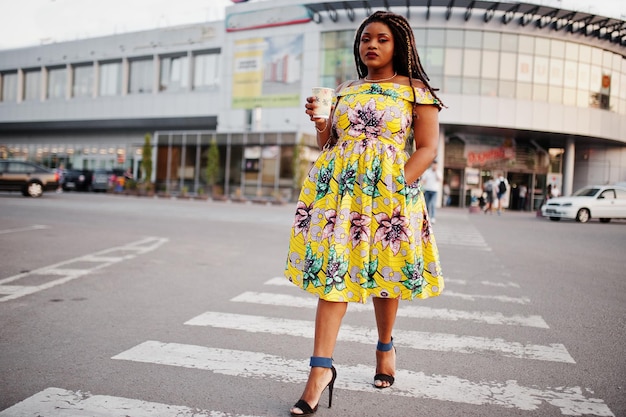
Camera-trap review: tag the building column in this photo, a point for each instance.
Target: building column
(441, 157)
(568, 166)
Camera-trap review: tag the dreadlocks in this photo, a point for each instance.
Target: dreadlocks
(406, 61)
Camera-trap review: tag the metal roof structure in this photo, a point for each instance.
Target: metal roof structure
(543, 17)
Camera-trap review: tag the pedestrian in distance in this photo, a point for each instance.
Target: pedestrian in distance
(447, 199)
(502, 188)
(361, 227)
(523, 192)
(489, 195)
(430, 183)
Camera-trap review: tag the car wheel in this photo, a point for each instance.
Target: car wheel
(603, 220)
(583, 216)
(34, 189)
(555, 219)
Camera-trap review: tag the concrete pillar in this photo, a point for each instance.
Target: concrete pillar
(568, 166)
(441, 147)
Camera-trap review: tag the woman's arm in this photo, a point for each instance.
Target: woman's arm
(426, 136)
(322, 126)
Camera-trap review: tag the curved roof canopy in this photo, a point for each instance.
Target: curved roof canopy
(543, 17)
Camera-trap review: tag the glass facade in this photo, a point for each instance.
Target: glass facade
(505, 65)
(206, 72)
(174, 73)
(82, 83)
(57, 83)
(32, 85)
(141, 76)
(110, 79)
(9, 86)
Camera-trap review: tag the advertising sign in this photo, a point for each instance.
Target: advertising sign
(267, 72)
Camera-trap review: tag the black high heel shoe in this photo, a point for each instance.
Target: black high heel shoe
(319, 362)
(384, 347)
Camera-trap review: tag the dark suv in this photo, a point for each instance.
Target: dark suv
(28, 178)
(76, 179)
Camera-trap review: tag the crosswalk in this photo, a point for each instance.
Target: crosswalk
(504, 395)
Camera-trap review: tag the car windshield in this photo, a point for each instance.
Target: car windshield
(586, 192)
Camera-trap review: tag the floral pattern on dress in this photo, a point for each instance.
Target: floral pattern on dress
(359, 229)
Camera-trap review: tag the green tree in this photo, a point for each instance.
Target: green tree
(146, 163)
(212, 163)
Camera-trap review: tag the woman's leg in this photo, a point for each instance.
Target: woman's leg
(385, 310)
(327, 323)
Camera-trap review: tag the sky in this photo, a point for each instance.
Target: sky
(26, 23)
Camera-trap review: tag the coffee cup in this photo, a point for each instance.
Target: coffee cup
(324, 101)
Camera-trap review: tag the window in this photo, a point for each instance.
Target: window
(556, 72)
(542, 46)
(9, 86)
(585, 54)
(491, 41)
(141, 76)
(540, 71)
(491, 64)
(570, 74)
(557, 49)
(454, 61)
(57, 80)
(508, 66)
(174, 73)
(454, 38)
(527, 44)
(471, 60)
(436, 37)
(111, 79)
(525, 68)
(205, 71)
(509, 42)
(32, 85)
(473, 39)
(433, 61)
(82, 85)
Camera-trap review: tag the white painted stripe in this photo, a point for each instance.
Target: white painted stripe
(457, 281)
(440, 342)
(57, 402)
(459, 234)
(476, 297)
(67, 273)
(279, 281)
(419, 312)
(24, 229)
(262, 366)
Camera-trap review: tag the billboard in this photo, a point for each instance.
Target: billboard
(267, 72)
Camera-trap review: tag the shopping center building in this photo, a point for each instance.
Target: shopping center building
(534, 92)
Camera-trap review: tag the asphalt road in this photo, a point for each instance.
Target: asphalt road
(125, 306)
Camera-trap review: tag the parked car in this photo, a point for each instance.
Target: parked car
(104, 179)
(604, 202)
(76, 179)
(28, 178)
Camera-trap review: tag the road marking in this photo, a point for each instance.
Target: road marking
(264, 367)
(456, 281)
(418, 312)
(279, 281)
(24, 229)
(476, 297)
(98, 260)
(57, 402)
(460, 234)
(440, 342)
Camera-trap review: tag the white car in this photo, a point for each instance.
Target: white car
(604, 202)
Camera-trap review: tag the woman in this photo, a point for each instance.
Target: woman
(361, 229)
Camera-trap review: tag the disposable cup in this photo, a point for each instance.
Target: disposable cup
(324, 99)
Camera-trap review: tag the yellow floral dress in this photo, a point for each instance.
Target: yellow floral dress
(359, 229)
